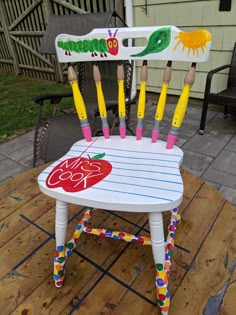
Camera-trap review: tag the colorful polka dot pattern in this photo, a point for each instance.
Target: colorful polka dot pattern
(163, 294)
(175, 219)
(79, 229)
(62, 252)
(163, 271)
(117, 235)
(59, 265)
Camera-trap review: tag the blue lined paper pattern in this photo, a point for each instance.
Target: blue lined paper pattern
(141, 171)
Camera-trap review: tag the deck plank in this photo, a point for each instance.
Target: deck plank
(197, 220)
(19, 284)
(18, 198)
(105, 298)
(14, 183)
(51, 300)
(208, 273)
(228, 305)
(88, 246)
(14, 223)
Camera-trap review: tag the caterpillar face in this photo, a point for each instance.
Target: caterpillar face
(112, 46)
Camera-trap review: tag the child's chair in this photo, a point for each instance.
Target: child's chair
(124, 173)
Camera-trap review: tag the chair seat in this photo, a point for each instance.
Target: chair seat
(117, 174)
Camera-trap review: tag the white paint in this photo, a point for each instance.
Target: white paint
(145, 176)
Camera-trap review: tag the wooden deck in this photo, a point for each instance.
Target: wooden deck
(104, 276)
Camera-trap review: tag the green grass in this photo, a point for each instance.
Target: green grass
(18, 113)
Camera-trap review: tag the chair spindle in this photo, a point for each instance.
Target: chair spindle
(101, 101)
(181, 107)
(79, 104)
(141, 101)
(161, 102)
(121, 99)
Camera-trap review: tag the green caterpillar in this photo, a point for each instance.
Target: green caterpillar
(96, 45)
(158, 41)
(84, 46)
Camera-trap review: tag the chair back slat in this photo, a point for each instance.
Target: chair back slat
(79, 104)
(121, 99)
(141, 100)
(101, 100)
(181, 107)
(160, 109)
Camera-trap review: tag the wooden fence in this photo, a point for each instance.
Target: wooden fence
(22, 25)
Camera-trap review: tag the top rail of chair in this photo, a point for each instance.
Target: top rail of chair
(162, 43)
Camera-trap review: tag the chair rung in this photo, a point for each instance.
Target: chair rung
(118, 235)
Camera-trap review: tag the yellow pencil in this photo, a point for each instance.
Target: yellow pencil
(181, 107)
(161, 102)
(100, 96)
(121, 100)
(79, 104)
(101, 100)
(141, 101)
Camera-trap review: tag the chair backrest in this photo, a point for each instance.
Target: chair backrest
(232, 72)
(163, 43)
(81, 24)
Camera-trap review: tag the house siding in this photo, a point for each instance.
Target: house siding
(189, 15)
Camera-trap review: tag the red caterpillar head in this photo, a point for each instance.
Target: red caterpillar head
(112, 43)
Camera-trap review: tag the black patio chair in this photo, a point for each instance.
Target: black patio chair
(226, 98)
(64, 124)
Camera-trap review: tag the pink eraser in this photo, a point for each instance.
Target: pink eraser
(155, 135)
(87, 133)
(106, 132)
(171, 140)
(139, 132)
(122, 131)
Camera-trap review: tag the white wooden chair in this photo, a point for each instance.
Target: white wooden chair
(124, 173)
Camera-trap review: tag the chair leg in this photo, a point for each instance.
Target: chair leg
(158, 248)
(175, 219)
(203, 117)
(60, 234)
(63, 251)
(78, 231)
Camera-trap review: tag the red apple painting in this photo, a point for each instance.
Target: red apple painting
(79, 173)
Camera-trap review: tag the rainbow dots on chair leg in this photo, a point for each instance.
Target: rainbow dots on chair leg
(59, 266)
(163, 271)
(175, 219)
(163, 295)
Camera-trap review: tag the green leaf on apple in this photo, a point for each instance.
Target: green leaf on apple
(98, 156)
